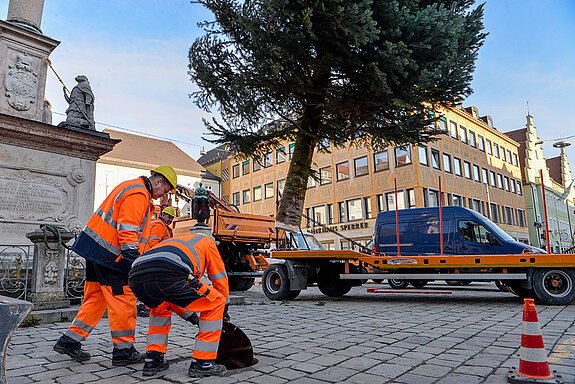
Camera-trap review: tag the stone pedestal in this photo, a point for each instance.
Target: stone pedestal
(202, 228)
(49, 267)
(12, 312)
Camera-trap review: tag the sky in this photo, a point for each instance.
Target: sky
(135, 57)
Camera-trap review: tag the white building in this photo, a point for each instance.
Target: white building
(135, 155)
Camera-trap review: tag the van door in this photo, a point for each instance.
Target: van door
(474, 239)
(426, 236)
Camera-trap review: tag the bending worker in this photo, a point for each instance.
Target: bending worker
(114, 237)
(161, 226)
(167, 278)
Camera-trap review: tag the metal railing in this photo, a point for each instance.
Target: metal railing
(16, 263)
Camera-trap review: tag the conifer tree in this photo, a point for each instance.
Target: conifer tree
(365, 72)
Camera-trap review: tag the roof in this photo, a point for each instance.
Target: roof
(214, 155)
(147, 153)
(554, 165)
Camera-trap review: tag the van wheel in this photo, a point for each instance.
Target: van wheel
(275, 283)
(554, 286)
(418, 283)
(397, 284)
(330, 284)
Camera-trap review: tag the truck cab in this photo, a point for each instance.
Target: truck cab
(465, 232)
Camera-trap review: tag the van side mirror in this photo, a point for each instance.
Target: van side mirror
(491, 239)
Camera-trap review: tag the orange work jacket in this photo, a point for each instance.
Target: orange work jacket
(160, 231)
(120, 224)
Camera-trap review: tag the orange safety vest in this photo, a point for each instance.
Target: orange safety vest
(160, 231)
(196, 254)
(121, 223)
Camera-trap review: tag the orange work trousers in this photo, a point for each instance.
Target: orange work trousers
(106, 289)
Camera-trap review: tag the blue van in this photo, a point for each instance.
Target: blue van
(465, 232)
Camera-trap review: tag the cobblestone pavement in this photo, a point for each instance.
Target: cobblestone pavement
(470, 336)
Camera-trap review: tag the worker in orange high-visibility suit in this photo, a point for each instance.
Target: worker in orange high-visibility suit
(113, 238)
(167, 278)
(161, 226)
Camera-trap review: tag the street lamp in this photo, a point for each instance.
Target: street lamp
(201, 206)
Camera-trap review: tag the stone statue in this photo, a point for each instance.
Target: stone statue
(80, 112)
(47, 112)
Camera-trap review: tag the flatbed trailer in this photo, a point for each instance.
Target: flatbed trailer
(550, 278)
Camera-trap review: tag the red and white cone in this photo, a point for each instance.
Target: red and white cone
(533, 366)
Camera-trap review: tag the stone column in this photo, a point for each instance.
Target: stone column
(49, 267)
(26, 13)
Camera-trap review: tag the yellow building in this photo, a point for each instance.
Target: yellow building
(477, 164)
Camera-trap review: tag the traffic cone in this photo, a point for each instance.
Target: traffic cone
(533, 366)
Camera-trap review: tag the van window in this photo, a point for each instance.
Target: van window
(472, 231)
(387, 236)
(427, 232)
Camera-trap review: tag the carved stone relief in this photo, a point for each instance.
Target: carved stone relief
(21, 83)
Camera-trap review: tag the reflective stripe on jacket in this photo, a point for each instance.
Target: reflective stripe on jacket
(160, 231)
(121, 223)
(196, 254)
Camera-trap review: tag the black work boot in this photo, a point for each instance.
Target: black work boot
(121, 357)
(72, 348)
(203, 368)
(154, 363)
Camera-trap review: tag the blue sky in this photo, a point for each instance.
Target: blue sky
(135, 56)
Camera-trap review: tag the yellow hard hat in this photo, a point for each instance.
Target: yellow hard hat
(169, 173)
(170, 211)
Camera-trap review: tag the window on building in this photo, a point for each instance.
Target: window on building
(509, 160)
(381, 203)
(341, 211)
(457, 200)
(381, 161)
(453, 129)
(410, 198)
(502, 150)
(390, 200)
(291, 149)
(480, 143)
(367, 208)
(492, 178)
(235, 171)
(430, 197)
(518, 187)
(323, 144)
(495, 213)
(484, 174)
(520, 218)
(256, 164)
(467, 168)
(472, 139)
(236, 198)
(507, 188)
(268, 190)
(360, 166)
(342, 171)
(258, 193)
(281, 155)
(476, 174)
(308, 217)
(246, 167)
(499, 181)
(488, 147)
(268, 161)
(435, 159)
(463, 134)
(512, 184)
(495, 150)
(319, 215)
(457, 166)
(310, 182)
(280, 186)
(246, 196)
(447, 163)
(443, 124)
(402, 156)
(330, 213)
(353, 209)
(477, 205)
(515, 162)
(325, 175)
(422, 149)
(507, 215)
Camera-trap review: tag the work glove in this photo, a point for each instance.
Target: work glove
(128, 257)
(226, 314)
(194, 319)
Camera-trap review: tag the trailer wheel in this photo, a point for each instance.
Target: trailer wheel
(397, 284)
(554, 286)
(330, 284)
(419, 283)
(275, 283)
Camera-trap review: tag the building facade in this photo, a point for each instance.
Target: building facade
(557, 178)
(136, 155)
(478, 167)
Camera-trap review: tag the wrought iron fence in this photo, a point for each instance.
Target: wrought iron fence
(16, 263)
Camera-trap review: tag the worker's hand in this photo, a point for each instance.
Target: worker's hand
(129, 256)
(194, 319)
(226, 314)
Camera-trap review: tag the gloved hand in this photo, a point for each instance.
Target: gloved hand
(226, 314)
(130, 256)
(194, 319)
